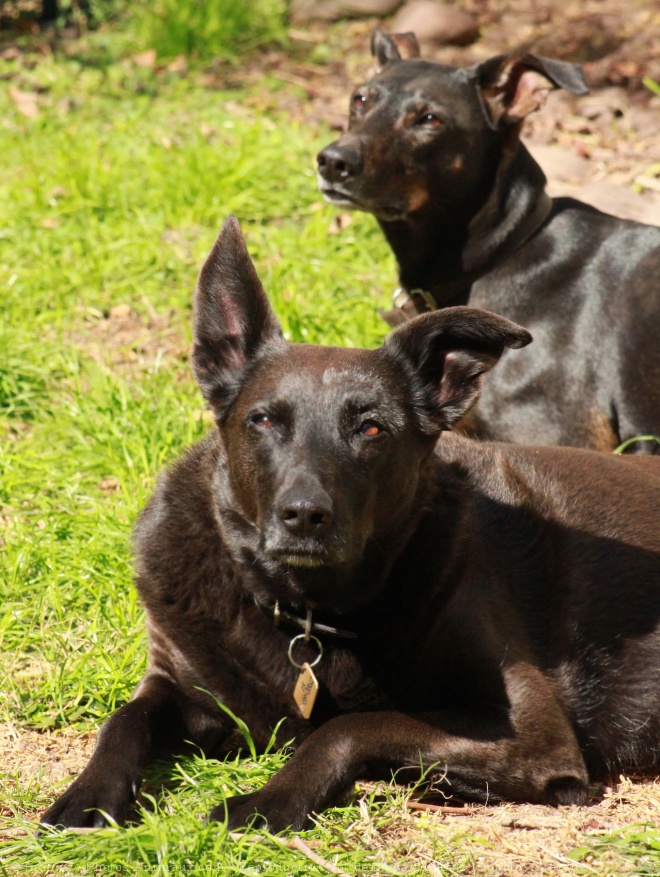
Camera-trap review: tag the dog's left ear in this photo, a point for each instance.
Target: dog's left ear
(233, 321)
(445, 353)
(511, 87)
(387, 48)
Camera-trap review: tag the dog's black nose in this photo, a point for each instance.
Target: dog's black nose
(306, 515)
(339, 162)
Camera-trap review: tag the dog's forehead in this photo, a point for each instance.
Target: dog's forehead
(425, 79)
(312, 374)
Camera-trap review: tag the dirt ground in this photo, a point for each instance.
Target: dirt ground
(513, 840)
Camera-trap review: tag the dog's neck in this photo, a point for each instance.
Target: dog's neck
(445, 255)
(284, 616)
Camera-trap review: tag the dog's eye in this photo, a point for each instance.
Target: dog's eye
(371, 429)
(429, 120)
(263, 421)
(358, 101)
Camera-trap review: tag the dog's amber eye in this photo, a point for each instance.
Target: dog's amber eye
(371, 429)
(429, 120)
(263, 421)
(358, 101)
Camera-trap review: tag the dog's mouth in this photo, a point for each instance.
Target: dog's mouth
(303, 561)
(340, 198)
(337, 196)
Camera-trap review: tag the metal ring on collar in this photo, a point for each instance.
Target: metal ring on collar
(313, 638)
(400, 297)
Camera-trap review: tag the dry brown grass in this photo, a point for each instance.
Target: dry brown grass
(516, 839)
(510, 840)
(46, 758)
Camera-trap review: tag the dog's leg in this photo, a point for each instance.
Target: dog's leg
(109, 784)
(530, 755)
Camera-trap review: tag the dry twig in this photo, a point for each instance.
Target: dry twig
(299, 844)
(439, 808)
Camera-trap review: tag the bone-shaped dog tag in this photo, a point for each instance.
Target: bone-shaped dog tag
(305, 691)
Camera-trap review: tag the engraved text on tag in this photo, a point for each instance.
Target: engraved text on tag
(305, 691)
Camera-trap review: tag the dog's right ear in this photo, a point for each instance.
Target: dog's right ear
(387, 48)
(511, 87)
(445, 353)
(233, 320)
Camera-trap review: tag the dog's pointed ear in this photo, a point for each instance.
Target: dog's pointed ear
(387, 48)
(233, 320)
(511, 87)
(445, 353)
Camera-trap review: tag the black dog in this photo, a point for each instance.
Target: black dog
(486, 609)
(434, 153)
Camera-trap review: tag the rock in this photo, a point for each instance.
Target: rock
(370, 7)
(433, 21)
(332, 10)
(559, 163)
(611, 198)
(608, 103)
(622, 202)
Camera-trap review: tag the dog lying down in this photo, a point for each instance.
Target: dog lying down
(486, 611)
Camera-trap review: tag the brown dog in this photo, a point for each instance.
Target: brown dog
(434, 153)
(488, 611)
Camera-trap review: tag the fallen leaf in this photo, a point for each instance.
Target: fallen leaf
(50, 223)
(120, 312)
(145, 59)
(178, 65)
(26, 102)
(339, 223)
(204, 415)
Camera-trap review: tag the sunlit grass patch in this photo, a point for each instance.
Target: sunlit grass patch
(208, 28)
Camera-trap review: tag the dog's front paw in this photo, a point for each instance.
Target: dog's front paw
(274, 811)
(87, 800)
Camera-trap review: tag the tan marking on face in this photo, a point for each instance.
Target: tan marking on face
(417, 198)
(458, 163)
(467, 425)
(601, 436)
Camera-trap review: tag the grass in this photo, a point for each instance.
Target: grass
(633, 850)
(209, 28)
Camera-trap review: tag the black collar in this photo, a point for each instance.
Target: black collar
(308, 625)
(409, 303)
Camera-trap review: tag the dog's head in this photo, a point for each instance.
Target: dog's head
(324, 448)
(421, 130)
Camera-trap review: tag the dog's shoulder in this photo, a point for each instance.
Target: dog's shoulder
(590, 490)
(183, 491)
(607, 234)
(177, 532)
